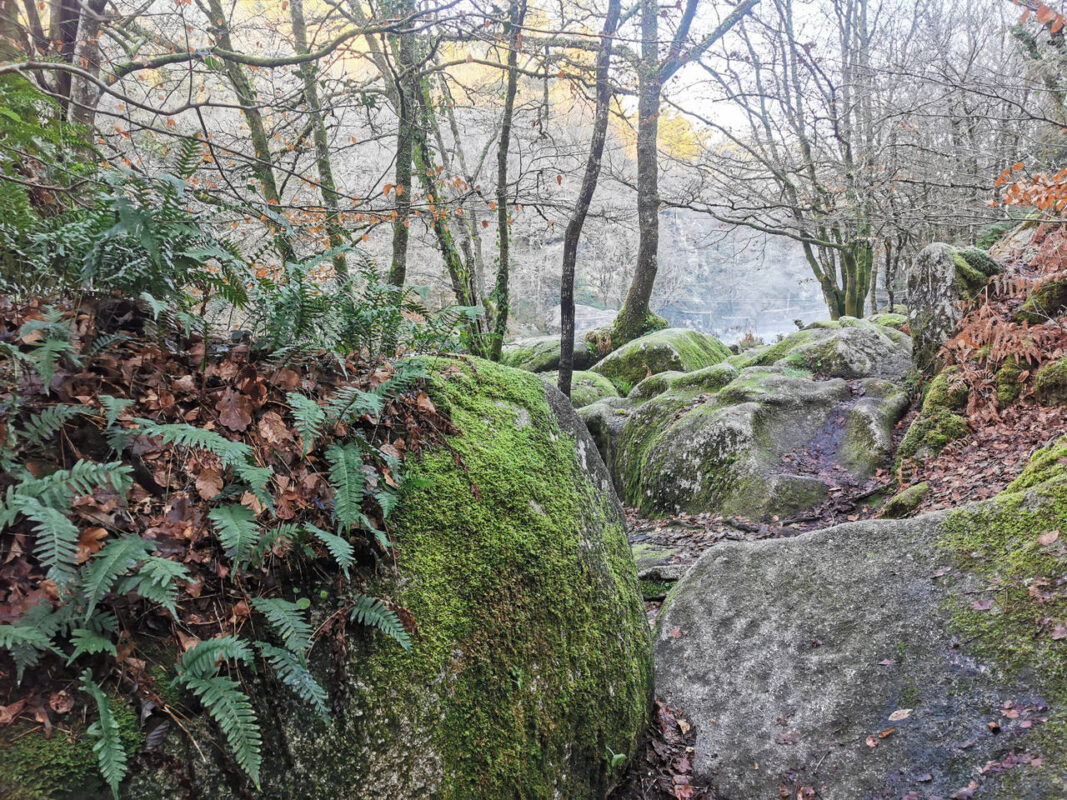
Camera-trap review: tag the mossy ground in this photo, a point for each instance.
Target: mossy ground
(62, 767)
(497, 573)
(998, 542)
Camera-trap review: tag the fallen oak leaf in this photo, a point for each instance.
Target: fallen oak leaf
(209, 483)
(1049, 538)
(235, 410)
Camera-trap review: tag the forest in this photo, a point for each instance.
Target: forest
(533, 400)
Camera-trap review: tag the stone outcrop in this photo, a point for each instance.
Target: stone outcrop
(672, 349)
(541, 354)
(939, 279)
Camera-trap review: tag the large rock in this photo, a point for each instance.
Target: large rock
(940, 278)
(762, 440)
(673, 349)
(880, 659)
(586, 387)
(541, 354)
(531, 658)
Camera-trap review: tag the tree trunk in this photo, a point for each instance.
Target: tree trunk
(513, 30)
(585, 197)
(327, 185)
(246, 96)
(632, 320)
(84, 94)
(405, 112)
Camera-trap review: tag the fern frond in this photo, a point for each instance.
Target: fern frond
(25, 643)
(293, 672)
(113, 406)
(373, 612)
(288, 621)
(310, 418)
(90, 642)
(387, 500)
(185, 435)
(346, 478)
(237, 530)
(199, 661)
(102, 343)
(339, 547)
(113, 561)
(350, 403)
(156, 580)
(283, 536)
(46, 357)
(56, 546)
(58, 489)
(110, 753)
(41, 427)
(257, 479)
(231, 710)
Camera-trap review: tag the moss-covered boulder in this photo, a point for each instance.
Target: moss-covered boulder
(946, 391)
(1050, 383)
(843, 348)
(674, 349)
(586, 387)
(530, 663)
(541, 354)
(903, 503)
(881, 659)
(930, 433)
(939, 278)
(728, 441)
(1047, 301)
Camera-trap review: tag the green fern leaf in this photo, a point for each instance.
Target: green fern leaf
(110, 753)
(339, 547)
(346, 477)
(309, 416)
(90, 642)
(199, 661)
(113, 407)
(112, 562)
(58, 489)
(288, 621)
(281, 536)
(156, 580)
(41, 427)
(229, 707)
(56, 546)
(190, 436)
(25, 643)
(350, 403)
(373, 612)
(237, 530)
(293, 672)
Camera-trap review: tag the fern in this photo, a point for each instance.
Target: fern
(185, 435)
(373, 612)
(293, 672)
(346, 477)
(110, 753)
(58, 489)
(310, 419)
(282, 536)
(229, 707)
(41, 427)
(200, 660)
(25, 643)
(90, 642)
(111, 563)
(339, 547)
(113, 407)
(350, 403)
(288, 621)
(157, 581)
(237, 530)
(56, 540)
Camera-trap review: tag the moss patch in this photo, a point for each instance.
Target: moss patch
(1045, 465)
(930, 433)
(944, 392)
(666, 350)
(586, 387)
(999, 544)
(1050, 383)
(1046, 301)
(63, 767)
(903, 503)
(540, 631)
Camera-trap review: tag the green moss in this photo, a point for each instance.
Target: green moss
(945, 392)
(1047, 301)
(662, 351)
(969, 279)
(1008, 386)
(903, 503)
(654, 590)
(771, 355)
(1045, 465)
(929, 434)
(997, 542)
(494, 574)
(1050, 383)
(890, 320)
(63, 767)
(586, 387)
(979, 259)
